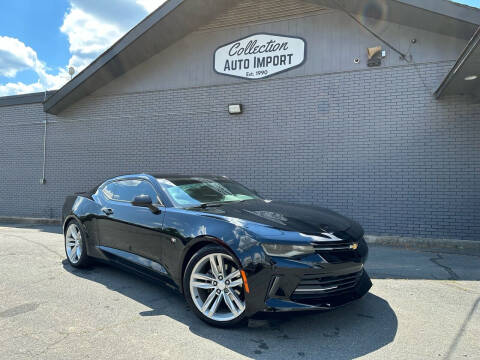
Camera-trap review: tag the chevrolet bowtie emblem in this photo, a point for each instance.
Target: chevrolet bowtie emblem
(354, 246)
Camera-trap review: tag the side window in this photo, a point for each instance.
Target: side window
(145, 188)
(110, 190)
(127, 190)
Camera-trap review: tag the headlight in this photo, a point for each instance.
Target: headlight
(287, 250)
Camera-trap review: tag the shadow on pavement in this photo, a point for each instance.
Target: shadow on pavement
(345, 333)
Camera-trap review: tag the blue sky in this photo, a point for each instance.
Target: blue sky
(475, 3)
(40, 40)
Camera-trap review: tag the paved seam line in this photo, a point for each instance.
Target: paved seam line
(36, 243)
(453, 275)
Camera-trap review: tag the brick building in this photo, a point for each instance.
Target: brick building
(379, 119)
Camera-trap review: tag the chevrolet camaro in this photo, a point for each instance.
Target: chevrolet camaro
(230, 252)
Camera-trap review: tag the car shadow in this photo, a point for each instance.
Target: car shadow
(345, 333)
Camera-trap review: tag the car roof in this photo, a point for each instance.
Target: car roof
(157, 176)
(183, 176)
(165, 176)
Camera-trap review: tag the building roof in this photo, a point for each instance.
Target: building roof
(163, 27)
(464, 77)
(176, 18)
(31, 98)
(440, 16)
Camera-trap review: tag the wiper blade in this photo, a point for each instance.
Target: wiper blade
(207, 205)
(217, 204)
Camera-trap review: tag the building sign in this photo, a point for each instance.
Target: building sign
(259, 56)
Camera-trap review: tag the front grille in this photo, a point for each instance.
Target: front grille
(332, 245)
(318, 286)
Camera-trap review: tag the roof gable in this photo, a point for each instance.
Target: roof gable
(176, 18)
(166, 25)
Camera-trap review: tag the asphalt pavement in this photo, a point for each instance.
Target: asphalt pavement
(423, 305)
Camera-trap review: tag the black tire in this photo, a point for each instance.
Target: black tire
(83, 259)
(197, 257)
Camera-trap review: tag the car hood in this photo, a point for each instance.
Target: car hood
(304, 219)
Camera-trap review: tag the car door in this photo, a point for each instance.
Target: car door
(128, 228)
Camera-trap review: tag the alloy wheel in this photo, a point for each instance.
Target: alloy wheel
(216, 287)
(73, 243)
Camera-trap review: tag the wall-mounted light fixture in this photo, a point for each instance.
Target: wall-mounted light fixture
(375, 55)
(235, 109)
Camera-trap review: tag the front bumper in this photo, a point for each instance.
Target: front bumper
(320, 281)
(323, 302)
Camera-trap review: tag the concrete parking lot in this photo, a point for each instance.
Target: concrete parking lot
(423, 305)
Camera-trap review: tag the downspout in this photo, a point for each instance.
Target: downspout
(43, 180)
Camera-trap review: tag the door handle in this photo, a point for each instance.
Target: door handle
(107, 211)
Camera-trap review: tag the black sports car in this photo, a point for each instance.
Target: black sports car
(231, 252)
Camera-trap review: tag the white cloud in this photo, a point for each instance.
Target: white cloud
(88, 36)
(20, 88)
(15, 56)
(150, 5)
(91, 26)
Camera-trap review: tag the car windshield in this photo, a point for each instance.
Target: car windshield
(196, 191)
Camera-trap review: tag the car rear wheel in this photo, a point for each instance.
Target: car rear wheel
(75, 246)
(214, 288)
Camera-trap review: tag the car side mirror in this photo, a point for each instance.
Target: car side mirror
(142, 200)
(145, 201)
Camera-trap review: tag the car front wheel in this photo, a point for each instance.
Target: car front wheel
(214, 288)
(75, 246)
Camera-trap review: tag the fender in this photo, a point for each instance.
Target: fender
(194, 245)
(74, 217)
(91, 251)
(249, 258)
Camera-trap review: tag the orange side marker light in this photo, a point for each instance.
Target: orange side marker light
(245, 283)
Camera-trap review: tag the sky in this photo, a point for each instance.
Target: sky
(41, 40)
